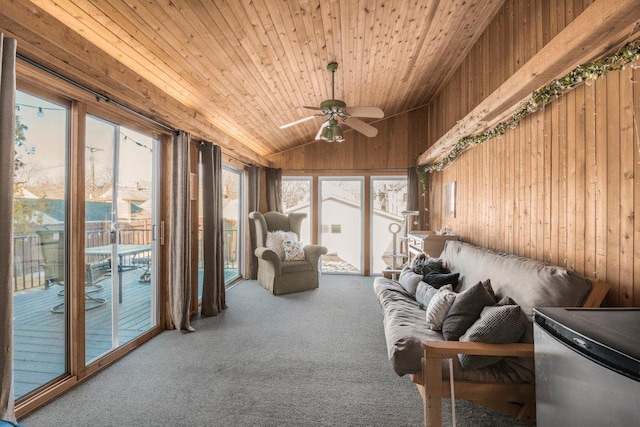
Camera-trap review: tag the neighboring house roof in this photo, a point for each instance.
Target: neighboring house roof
(128, 194)
(23, 193)
(53, 210)
(305, 205)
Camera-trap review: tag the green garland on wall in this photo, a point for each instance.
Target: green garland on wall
(582, 73)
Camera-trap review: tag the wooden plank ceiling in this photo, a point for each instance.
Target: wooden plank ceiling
(248, 66)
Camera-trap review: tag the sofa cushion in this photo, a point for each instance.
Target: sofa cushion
(498, 324)
(409, 280)
(405, 326)
(295, 266)
(528, 282)
(425, 292)
(465, 311)
(439, 307)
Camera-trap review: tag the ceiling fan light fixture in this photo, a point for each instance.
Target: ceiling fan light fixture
(325, 133)
(337, 134)
(332, 132)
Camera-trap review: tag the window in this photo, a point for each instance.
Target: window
(341, 211)
(296, 197)
(233, 219)
(389, 200)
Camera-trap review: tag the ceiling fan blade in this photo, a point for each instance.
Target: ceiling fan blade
(369, 112)
(362, 127)
(324, 125)
(312, 108)
(304, 119)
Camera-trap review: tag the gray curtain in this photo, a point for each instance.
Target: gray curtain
(274, 189)
(413, 189)
(180, 234)
(253, 205)
(7, 135)
(213, 293)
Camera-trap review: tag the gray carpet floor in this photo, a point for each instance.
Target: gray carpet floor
(315, 358)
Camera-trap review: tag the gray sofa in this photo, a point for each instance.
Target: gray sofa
(528, 282)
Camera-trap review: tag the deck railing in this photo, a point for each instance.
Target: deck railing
(28, 273)
(27, 257)
(229, 239)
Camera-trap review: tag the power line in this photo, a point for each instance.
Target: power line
(139, 144)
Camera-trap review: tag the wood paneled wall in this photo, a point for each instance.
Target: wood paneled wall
(562, 187)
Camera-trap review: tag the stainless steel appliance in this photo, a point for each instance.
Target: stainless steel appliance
(587, 366)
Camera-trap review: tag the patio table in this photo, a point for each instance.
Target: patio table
(123, 250)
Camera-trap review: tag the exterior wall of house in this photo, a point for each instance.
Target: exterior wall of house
(341, 231)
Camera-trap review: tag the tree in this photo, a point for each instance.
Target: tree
(294, 192)
(20, 145)
(25, 213)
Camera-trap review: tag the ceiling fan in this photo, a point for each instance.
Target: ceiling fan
(336, 110)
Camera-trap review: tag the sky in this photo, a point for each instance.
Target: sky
(47, 133)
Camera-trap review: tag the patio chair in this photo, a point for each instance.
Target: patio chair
(145, 263)
(52, 245)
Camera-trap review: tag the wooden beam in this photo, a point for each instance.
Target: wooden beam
(50, 43)
(596, 31)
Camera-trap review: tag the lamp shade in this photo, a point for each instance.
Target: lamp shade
(337, 134)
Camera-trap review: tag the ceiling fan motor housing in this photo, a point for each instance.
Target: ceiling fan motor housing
(332, 106)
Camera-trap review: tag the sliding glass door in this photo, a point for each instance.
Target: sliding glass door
(40, 257)
(120, 288)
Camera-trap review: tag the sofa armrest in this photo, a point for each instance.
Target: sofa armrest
(438, 349)
(312, 254)
(270, 256)
(435, 351)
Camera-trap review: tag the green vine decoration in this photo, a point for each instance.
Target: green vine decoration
(582, 73)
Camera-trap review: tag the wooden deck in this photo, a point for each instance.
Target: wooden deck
(39, 334)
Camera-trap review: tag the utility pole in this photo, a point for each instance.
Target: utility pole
(92, 162)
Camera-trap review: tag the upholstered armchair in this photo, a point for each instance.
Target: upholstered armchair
(275, 274)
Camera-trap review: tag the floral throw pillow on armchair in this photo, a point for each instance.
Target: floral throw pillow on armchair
(293, 251)
(275, 241)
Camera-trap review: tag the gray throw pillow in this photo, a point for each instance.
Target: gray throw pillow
(438, 280)
(465, 311)
(499, 324)
(409, 280)
(438, 308)
(425, 292)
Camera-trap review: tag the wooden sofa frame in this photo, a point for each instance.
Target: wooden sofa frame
(517, 400)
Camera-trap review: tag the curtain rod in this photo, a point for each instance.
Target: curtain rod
(99, 96)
